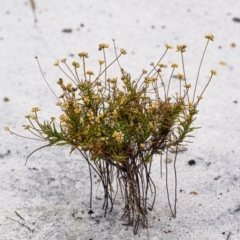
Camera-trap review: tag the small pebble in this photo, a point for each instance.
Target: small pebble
(191, 162)
(67, 30)
(90, 211)
(236, 19)
(216, 178)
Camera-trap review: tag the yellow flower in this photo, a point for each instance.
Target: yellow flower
(63, 60)
(188, 85)
(83, 54)
(142, 145)
(180, 76)
(209, 37)
(168, 46)
(6, 128)
(101, 62)
(86, 100)
(90, 114)
(112, 80)
(95, 97)
(123, 51)
(78, 110)
(115, 112)
(191, 105)
(174, 65)
(162, 65)
(65, 105)
(213, 72)
(119, 136)
(56, 63)
(182, 107)
(181, 48)
(69, 85)
(155, 105)
(60, 81)
(35, 109)
(63, 118)
(76, 64)
(102, 45)
(59, 104)
(90, 72)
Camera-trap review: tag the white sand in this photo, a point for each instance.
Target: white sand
(51, 193)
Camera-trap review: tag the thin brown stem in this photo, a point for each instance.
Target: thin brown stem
(168, 197)
(175, 176)
(199, 68)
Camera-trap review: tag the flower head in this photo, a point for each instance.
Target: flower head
(162, 65)
(213, 72)
(118, 136)
(90, 72)
(174, 65)
(83, 54)
(101, 62)
(209, 37)
(123, 51)
(142, 145)
(188, 85)
(35, 109)
(102, 45)
(181, 76)
(76, 64)
(181, 48)
(168, 46)
(6, 128)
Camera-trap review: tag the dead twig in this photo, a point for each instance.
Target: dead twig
(19, 215)
(22, 224)
(228, 237)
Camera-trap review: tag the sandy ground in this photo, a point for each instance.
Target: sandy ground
(51, 193)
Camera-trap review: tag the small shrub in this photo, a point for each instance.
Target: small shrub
(119, 124)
